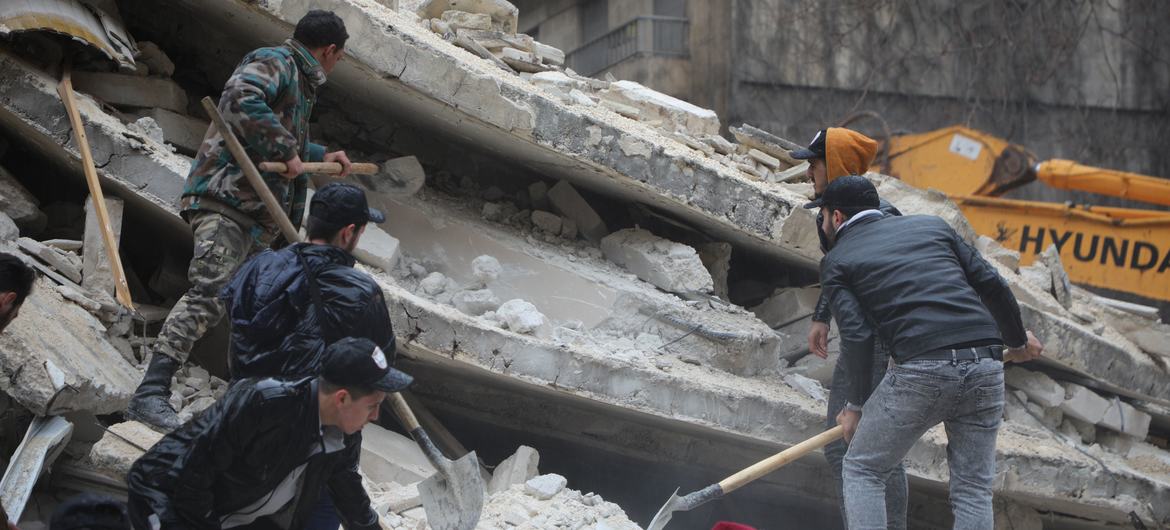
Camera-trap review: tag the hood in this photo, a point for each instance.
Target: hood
(847, 152)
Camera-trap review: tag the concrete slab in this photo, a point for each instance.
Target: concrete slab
(96, 273)
(127, 90)
(672, 267)
(57, 359)
(182, 130)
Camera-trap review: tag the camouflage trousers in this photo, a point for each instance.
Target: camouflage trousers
(221, 245)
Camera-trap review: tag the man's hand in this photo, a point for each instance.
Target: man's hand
(340, 158)
(818, 339)
(294, 166)
(849, 420)
(1029, 351)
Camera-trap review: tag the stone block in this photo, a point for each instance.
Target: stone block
(505, 17)
(57, 358)
(1083, 404)
(1038, 276)
(716, 257)
(53, 257)
(764, 158)
(117, 449)
(18, 204)
(672, 267)
(568, 203)
(485, 269)
(786, 306)
(434, 284)
(654, 105)
(184, 132)
(122, 90)
(548, 222)
(545, 487)
(391, 457)
(519, 468)
(522, 61)
(556, 81)
(377, 248)
(520, 316)
(96, 274)
(1123, 418)
(456, 19)
(475, 302)
(1076, 428)
(992, 250)
(1037, 385)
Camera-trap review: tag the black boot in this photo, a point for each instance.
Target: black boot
(151, 402)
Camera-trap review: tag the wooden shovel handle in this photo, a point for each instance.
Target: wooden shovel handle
(776, 461)
(326, 168)
(402, 410)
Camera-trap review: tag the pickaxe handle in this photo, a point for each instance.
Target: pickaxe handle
(326, 168)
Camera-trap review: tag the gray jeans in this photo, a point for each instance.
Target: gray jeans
(967, 397)
(896, 493)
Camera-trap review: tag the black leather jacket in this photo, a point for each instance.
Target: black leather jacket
(822, 313)
(280, 327)
(914, 284)
(238, 451)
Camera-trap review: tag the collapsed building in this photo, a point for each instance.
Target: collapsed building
(592, 270)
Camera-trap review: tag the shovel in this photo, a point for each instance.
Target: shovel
(401, 177)
(693, 500)
(452, 497)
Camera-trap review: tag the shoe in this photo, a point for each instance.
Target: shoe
(150, 404)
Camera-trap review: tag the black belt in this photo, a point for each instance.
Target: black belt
(960, 354)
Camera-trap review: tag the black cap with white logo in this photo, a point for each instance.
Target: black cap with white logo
(356, 361)
(815, 149)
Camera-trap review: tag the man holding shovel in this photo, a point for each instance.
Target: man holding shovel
(267, 102)
(264, 453)
(914, 284)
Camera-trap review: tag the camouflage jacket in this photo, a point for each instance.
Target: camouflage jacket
(267, 102)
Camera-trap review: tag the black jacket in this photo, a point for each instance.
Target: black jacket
(276, 323)
(238, 451)
(822, 313)
(913, 283)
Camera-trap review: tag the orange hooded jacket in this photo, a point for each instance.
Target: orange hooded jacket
(847, 152)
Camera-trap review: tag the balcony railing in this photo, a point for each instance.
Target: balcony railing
(655, 35)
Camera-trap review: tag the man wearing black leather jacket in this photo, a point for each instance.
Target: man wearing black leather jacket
(260, 457)
(286, 306)
(912, 283)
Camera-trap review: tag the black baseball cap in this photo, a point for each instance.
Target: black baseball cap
(355, 361)
(815, 149)
(343, 204)
(850, 191)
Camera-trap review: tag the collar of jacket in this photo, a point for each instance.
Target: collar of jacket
(306, 63)
(847, 229)
(326, 253)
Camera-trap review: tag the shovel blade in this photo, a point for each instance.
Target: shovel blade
(665, 513)
(399, 177)
(453, 497)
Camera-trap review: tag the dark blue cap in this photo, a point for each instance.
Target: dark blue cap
(343, 204)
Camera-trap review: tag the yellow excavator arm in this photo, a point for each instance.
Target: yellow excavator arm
(1069, 175)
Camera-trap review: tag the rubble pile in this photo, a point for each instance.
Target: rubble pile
(604, 274)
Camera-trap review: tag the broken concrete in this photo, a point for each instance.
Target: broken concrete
(62, 262)
(132, 91)
(57, 359)
(183, 131)
(377, 248)
(1123, 418)
(1061, 286)
(681, 115)
(566, 201)
(96, 274)
(20, 205)
(672, 267)
(1083, 404)
(119, 447)
(42, 443)
(516, 469)
(1037, 385)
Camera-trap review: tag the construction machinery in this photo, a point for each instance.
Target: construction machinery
(1120, 249)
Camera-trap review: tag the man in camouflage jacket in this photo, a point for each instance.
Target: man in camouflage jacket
(267, 102)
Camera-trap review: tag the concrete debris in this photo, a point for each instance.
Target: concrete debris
(545, 487)
(377, 248)
(548, 222)
(184, 132)
(992, 250)
(461, 19)
(516, 469)
(66, 263)
(1083, 404)
(522, 61)
(476, 302)
(118, 448)
(549, 54)
(520, 316)
(389, 457)
(434, 284)
(154, 58)
(787, 306)
(503, 14)
(146, 126)
(393, 498)
(96, 274)
(672, 267)
(122, 90)
(1061, 286)
(1037, 385)
(19, 205)
(765, 159)
(716, 257)
(42, 443)
(1119, 443)
(810, 387)
(66, 245)
(568, 203)
(768, 143)
(654, 105)
(1123, 418)
(8, 229)
(57, 359)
